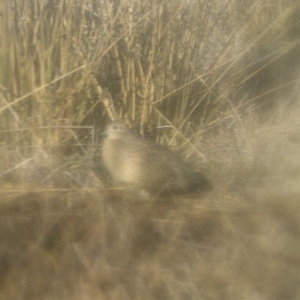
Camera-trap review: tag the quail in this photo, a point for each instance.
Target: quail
(146, 166)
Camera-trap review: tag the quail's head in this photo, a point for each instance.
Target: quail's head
(116, 130)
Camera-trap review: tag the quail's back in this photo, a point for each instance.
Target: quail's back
(144, 165)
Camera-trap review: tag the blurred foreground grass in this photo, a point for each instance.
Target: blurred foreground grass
(100, 244)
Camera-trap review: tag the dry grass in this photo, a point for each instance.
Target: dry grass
(98, 243)
(216, 79)
(240, 241)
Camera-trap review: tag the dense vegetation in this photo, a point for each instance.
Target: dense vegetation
(216, 80)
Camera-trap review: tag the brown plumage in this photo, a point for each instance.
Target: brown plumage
(145, 165)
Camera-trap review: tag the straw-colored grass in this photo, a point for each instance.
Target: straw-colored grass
(216, 80)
